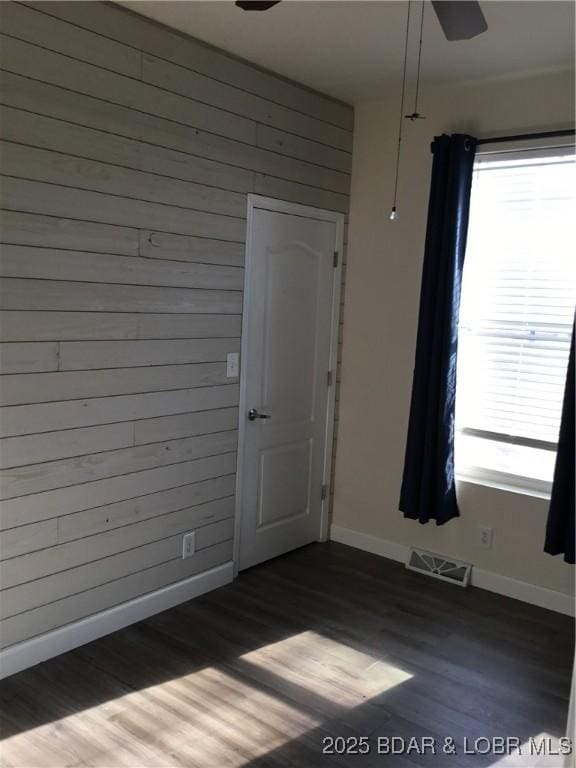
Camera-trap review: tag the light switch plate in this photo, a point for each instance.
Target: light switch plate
(232, 365)
(485, 536)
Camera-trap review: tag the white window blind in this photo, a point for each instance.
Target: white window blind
(517, 310)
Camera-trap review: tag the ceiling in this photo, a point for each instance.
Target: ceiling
(351, 49)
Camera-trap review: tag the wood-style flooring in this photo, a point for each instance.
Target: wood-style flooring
(326, 642)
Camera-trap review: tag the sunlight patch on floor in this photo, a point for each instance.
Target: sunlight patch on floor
(195, 716)
(201, 717)
(328, 668)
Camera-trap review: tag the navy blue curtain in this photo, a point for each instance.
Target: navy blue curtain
(428, 487)
(560, 526)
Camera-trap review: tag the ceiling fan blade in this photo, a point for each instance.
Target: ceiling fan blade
(460, 19)
(256, 5)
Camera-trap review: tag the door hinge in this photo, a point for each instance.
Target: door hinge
(336, 258)
(324, 492)
(329, 378)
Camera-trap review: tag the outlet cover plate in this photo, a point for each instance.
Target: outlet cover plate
(188, 544)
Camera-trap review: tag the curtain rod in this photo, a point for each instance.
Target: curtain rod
(527, 136)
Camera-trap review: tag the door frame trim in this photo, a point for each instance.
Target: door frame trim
(309, 212)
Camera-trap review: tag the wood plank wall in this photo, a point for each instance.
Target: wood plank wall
(127, 154)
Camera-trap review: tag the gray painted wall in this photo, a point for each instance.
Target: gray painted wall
(127, 154)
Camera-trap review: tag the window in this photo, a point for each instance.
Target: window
(517, 310)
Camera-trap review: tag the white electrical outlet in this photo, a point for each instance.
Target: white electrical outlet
(232, 365)
(485, 536)
(188, 544)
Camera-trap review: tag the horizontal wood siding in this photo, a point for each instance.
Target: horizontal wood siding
(127, 152)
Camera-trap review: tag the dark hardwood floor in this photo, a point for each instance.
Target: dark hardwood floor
(324, 642)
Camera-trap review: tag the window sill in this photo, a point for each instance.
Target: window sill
(506, 483)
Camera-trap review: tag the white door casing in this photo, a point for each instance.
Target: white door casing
(289, 345)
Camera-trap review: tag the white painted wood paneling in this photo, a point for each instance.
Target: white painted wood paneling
(68, 138)
(51, 264)
(162, 245)
(34, 594)
(28, 357)
(61, 473)
(85, 355)
(30, 229)
(42, 64)
(46, 590)
(62, 557)
(147, 430)
(49, 446)
(65, 501)
(62, 444)
(27, 538)
(19, 389)
(270, 186)
(54, 101)
(55, 295)
(70, 414)
(76, 203)
(38, 28)
(92, 521)
(71, 171)
(294, 145)
(127, 154)
(99, 326)
(187, 83)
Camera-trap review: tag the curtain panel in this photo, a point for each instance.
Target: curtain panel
(560, 526)
(428, 485)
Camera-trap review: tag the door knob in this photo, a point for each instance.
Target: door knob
(253, 415)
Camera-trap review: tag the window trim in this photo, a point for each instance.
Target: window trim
(526, 148)
(491, 478)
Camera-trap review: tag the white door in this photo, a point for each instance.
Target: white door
(290, 310)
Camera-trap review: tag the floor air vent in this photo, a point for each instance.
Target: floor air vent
(439, 567)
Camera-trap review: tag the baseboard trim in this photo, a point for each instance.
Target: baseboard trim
(492, 582)
(30, 652)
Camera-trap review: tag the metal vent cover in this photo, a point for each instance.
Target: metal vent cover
(439, 567)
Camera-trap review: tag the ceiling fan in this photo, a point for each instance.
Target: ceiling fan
(459, 19)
